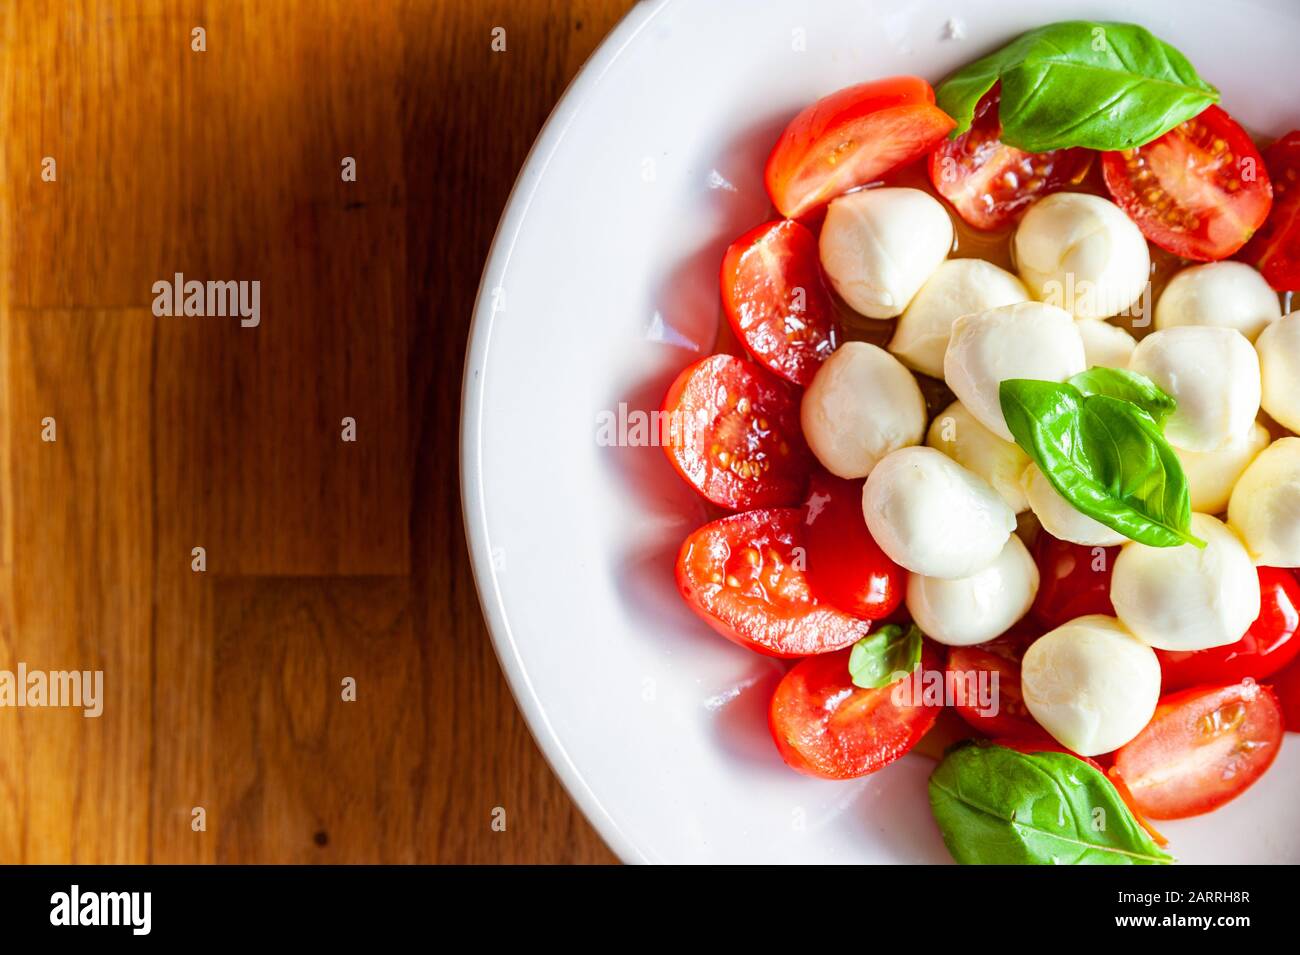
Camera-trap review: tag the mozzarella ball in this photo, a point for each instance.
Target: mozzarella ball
(932, 516)
(1224, 294)
(1060, 518)
(1265, 505)
(878, 247)
(861, 404)
(1187, 597)
(1212, 373)
(1211, 475)
(1083, 253)
(958, 287)
(1029, 340)
(1279, 365)
(979, 607)
(1091, 684)
(956, 433)
(1105, 345)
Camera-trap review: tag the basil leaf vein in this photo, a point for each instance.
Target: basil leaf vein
(998, 806)
(1104, 455)
(1128, 386)
(878, 659)
(1102, 85)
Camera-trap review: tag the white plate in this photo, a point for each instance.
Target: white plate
(601, 286)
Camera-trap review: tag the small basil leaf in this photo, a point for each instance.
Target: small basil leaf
(1105, 456)
(878, 659)
(1127, 386)
(1081, 83)
(998, 806)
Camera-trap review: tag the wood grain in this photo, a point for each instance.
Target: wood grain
(326, 559)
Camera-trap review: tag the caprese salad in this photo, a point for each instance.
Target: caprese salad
(1002, 438)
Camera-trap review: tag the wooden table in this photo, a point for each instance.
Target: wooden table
(325, 559)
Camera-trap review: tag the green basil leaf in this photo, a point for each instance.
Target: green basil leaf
(1081, 83)
(1127, 386)
(998, 806)
(877, 659)
(1105, 456)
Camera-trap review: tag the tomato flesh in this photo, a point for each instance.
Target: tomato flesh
(846, 567)
(825, 726)
(850, 138)
(973, 667)
(1203, 747)
(1199, 191)
(990, 183)
(1286, 684)
(1268, 646)
(1074, 580)
(744, 575)
(734, 434)
(1275, 248)
(776, 302)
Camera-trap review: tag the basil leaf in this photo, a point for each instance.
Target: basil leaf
(878, 659)
(1127, 386)
(1081, 83)
(998, 806)
(1105, 456)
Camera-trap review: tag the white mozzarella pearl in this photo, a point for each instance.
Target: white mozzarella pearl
(958, 287)
(957, 433)
(932, 516)
(1060, 518)
(1265, 505)
(979, 607)
(1083, 253)
(1279, 364)
(1185, 597)
(1028, 340)
(878, 247)
(1211, 475)
(1106, 345)
(1224, 294)
(1212, 373)
(1091, 684)
(861, 404)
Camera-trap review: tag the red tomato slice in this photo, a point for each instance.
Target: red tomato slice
(744, 575)
(1286, 684)
(989, 183)
(1074, 580)
(1002, 657)
(1203, 747)
(846, 567)
(1275, 248)
(776, 303)
(825, 726)
(734, 434)
(1199, 191)
(1267, 647)
(850, 138)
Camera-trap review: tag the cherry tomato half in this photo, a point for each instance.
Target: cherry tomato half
(1267, 647)
(734, 434)
(1199, 191)
(846, 567)
(851, 137)
(989, 183)
(825, 726)
(775, 300)
(1074, 580)
(1286, 684)
(971, 668)
(1275, 248)
(1203, 747)
(744, 575)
